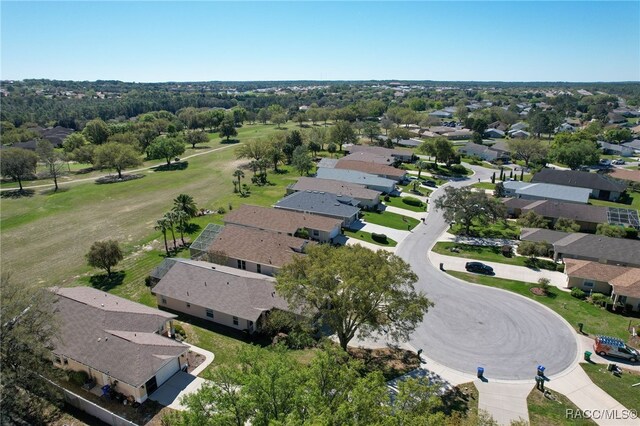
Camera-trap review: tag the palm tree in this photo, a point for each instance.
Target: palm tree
(170, 217)
(185, 203)
(420, 165)
(239, 174)
(163, 226)
(182, 219)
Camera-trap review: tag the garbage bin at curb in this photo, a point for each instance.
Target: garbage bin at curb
(587, 356)
(480, 372)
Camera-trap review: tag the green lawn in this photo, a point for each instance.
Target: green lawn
(399, 203)
(631, 201)
(618, 387)
(595, 319)
(490, 254)
(502, 229)
(366, 236)
(484, 185)
(546, 412)
(391, 220)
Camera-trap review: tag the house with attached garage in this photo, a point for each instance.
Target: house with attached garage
(621, 283)
(544, 191)
(318, 228)
(370, 181)
(367, 198)
(379, 170)
(230, 297)
(115, 341)
(615, 149)
(405, 156)
(250, 249)
(484, 152)
(602, 187)
(322, 204)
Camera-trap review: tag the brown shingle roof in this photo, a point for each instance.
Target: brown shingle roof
(279, 220)
(370, 157)
(624, 174)
(227, 290)
(624, 280)
(113, 335)
(337, 187)
(380, 150)
(558, 209)
(373, 168)
(258, 246)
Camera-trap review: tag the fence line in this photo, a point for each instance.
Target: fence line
(94, 410)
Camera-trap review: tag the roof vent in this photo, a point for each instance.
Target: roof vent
(227, 282)
(102, 304)
(99, 339)
(187, 293)
(205, 283)
(213, 267)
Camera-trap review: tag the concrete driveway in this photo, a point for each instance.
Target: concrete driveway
(471, 326)
(171, 391)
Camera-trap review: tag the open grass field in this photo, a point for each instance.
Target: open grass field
(490, 254)
(596, 320)
(618, 387)
(546, 412)
(391, 220)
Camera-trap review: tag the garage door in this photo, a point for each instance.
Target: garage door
(167, 371)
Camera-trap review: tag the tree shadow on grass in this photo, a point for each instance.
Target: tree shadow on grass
(53, 191)
(17, 193)
(192, 228)
(281, 172)
(179, 165)
(201, 147)
(105, 282)
(230, 141)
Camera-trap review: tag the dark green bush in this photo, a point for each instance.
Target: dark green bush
(179, 330)
(381, 238)
(412, 201)
(386, 198)
(458, 169)
(78, 377)
(631, 232)
(578, 294)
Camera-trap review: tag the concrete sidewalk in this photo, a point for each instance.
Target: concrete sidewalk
(405, 212)
(504, 401)
(578, 387)
(208, 358)
(512, 272)
(395, 234)
(370, 246)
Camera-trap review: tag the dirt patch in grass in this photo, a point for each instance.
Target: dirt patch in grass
(392, 362)
(538, 291)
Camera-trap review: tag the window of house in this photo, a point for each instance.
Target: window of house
(210, 313)
(622, 299)
(259, 268)
(164, 301)
(316, 233)
(588, 283)
(242, 264)
(58, 360)
(235, 320)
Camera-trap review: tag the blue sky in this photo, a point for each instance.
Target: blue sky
(199, 41)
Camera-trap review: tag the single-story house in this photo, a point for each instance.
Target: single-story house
(405, 156)
(585, 215)
(493, 133)
(519, 134)
(440, 114)
(499, 125)
(615, 149)
(319, 228)
(367, 198)
(625, 174)
(370, 181)
(602, 187)
(565, 127)
(634, 144)
(412, 143)
(115, 341)
(231, 297)
(369, 157)
(616, 118)
(597, 248)
(323, 204)
(518, 126)
(249, 249)
(620, 282)
(484, 152)
(380, 170)
(545, 191)
(456, 134)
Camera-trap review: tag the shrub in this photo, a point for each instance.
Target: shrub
(578, 294)
(381, 238)
(631, 232)
(386, 198)
(458, 169)
(78, 377)
(221, 210)
(179, 330)
(544, 284)
(412, 201)
(560, 267)
(507, 250)
(599, 299)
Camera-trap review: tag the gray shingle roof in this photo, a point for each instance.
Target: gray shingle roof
(335, 187)
(223, 289)
(322, 203)
(113, 335)
(354, 176)
(549, 191)
(579, 179)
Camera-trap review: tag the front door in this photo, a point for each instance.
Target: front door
(151, 385)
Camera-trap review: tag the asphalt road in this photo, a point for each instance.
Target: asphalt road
(475, 326)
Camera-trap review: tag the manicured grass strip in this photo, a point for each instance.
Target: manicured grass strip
(366, 236)
(546, 412)
(491, 254)
(399, 203)
(391, 220)
(618, 387)
(484, 185)
(630, 201)
(596, 320)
